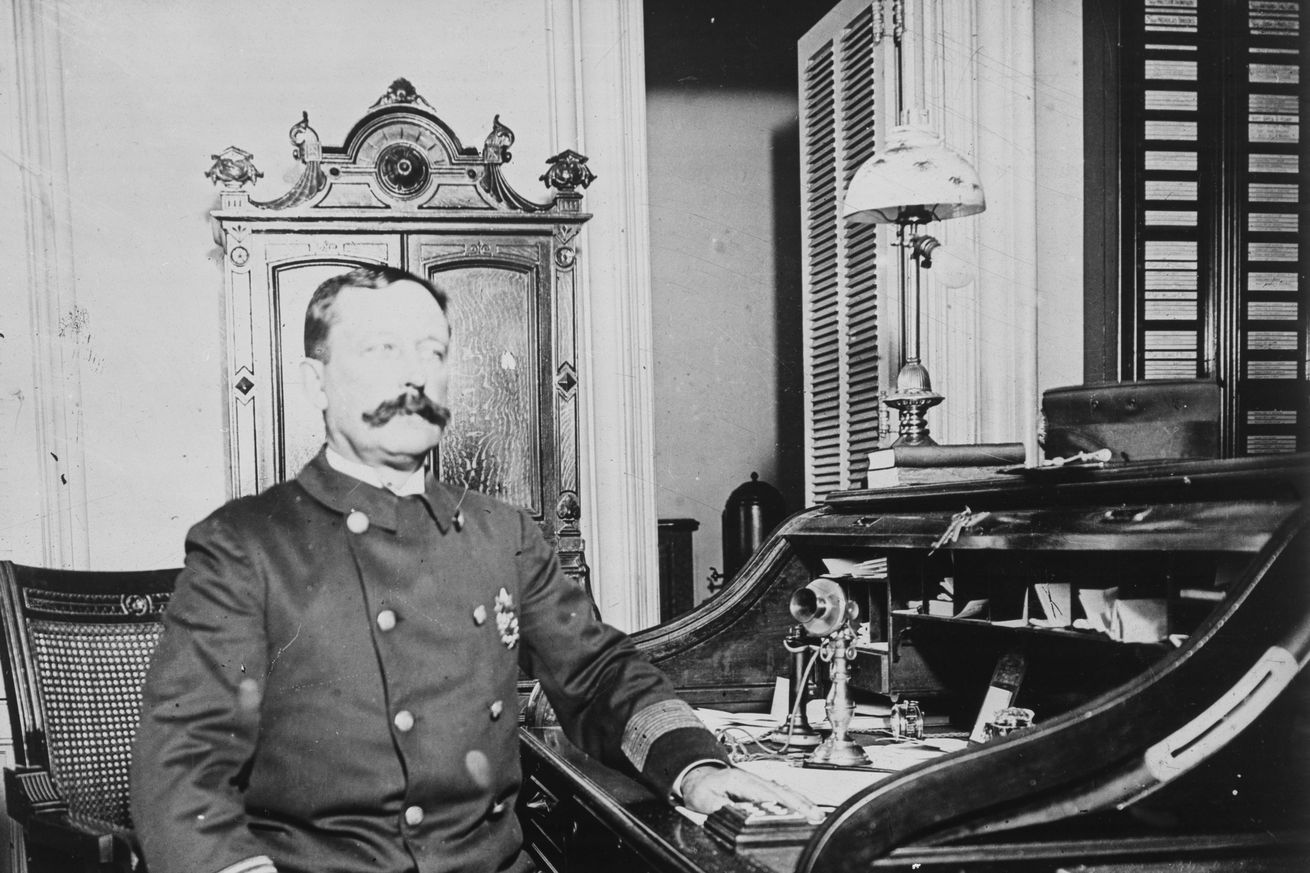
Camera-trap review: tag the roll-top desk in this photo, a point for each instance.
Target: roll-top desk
(1178, 741)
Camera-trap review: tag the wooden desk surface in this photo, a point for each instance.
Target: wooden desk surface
(579, 817)
(587, 810)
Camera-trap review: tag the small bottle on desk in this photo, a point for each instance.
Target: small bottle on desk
(907, 720)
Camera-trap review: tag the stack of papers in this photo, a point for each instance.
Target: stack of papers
(757, 724)
(874, 568)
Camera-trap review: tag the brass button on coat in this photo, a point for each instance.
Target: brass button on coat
(386, 620)
(497, 707)
(413, 816)
(479, 614)
(356, 522)
(404, 721)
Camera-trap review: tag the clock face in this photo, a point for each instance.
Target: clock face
(402, 169)
(403, 155)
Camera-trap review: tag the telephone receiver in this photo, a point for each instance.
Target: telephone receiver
(822, 607)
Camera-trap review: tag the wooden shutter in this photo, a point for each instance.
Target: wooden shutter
(1272, 325)
(1170, 316)
(840, 294)
(824, 359)
(859, 248)
(1212, 200)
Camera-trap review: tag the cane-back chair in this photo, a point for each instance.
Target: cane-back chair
(76, 648)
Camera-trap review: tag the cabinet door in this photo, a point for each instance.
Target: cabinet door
(498, 439)
(274, 429)
(301, 425)
(513, 392)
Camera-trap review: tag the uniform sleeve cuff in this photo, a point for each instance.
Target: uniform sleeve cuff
(664, 739)
(676, 791)
(257, 864)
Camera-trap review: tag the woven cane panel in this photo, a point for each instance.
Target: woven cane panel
(91, 677)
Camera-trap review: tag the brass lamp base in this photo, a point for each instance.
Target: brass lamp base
(912, 398)
(912, 407)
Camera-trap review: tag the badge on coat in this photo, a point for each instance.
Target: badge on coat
(507, 621)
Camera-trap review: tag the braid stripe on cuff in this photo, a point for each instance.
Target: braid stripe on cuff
(652, 722)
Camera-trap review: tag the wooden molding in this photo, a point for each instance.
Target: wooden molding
(56, 319)
(982, 338)
(596, 51)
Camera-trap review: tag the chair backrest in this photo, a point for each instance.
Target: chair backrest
(77, 645)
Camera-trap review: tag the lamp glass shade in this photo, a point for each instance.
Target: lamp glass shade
(916, 178)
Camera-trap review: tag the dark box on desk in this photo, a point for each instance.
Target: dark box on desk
(1136, 421)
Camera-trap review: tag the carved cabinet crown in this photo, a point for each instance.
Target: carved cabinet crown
(402, 190)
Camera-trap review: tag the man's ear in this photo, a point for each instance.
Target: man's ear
(311, 380)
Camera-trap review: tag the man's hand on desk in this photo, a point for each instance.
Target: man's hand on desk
(708, 787)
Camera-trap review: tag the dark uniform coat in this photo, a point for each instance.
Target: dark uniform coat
(335, 684)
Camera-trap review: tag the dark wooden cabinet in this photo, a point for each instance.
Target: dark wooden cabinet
(677, 566)
(402, 190)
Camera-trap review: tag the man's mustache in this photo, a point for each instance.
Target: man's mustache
(411, 402)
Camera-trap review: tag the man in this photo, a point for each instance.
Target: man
(334, 689)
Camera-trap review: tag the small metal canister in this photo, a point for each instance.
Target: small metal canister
(753, 510)
(907, 720)
(1007, 721)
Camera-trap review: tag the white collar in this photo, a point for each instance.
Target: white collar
(415, 484)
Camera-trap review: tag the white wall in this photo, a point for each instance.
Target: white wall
(1059, 63)
(110, 388)
(149, 91)
(720, 342)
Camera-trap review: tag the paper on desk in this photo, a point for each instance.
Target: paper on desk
(823, 787)
(778, 707)
(867, 717)
(1139, 620)
(901, 756)
(942, 606)
(972, 608)
(1098, 606)
(874, 568)
(1054, 600)
(757, 724)
(830, 787)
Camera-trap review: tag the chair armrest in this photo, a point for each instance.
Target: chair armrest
(54, 839)
(29, 792)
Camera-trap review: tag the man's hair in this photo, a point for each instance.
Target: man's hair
(318, 315)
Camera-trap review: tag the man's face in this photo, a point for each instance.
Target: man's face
(384, 345)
